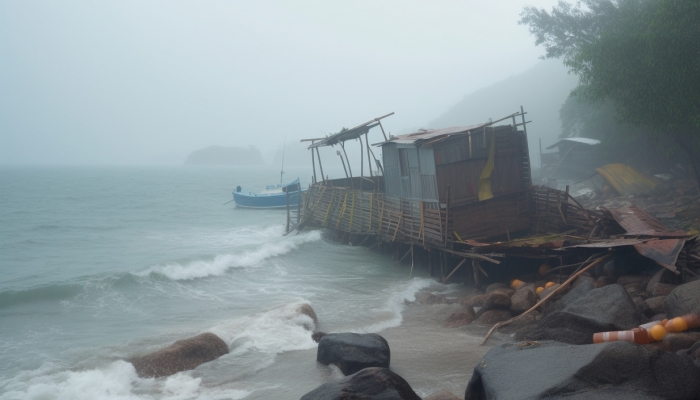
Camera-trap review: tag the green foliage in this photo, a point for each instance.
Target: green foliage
(642, 56)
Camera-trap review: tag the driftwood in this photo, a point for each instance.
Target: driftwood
(533, 308)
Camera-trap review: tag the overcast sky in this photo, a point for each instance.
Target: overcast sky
(121, 82)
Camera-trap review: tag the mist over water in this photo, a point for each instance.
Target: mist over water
(100, 265)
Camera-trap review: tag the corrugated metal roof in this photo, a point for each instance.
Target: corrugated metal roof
(428, 134)
(590, 142)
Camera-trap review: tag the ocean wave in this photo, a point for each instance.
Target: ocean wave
(395, 304)
(223, 262)
(54, 292)
(116, 381)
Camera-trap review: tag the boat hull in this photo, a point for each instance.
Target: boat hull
(251, 200)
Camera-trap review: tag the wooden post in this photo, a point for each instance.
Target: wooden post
(362, 160)
(475, 269)
(380, 125)
(323, 176)
(454, 270)
(313, 162)
(342, 146)
(369, 160)
(299, 198)
(343, 161)
(540, 153)
(411, 272)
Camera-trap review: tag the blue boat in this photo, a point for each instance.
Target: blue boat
(274, 196)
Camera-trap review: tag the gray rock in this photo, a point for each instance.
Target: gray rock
(615, 370)
(684, 299)
(474, 301)
(182, 355)
(656, 305)
(662, 276)
(674, 341)
(577, 292)
(460, 318)
(492, 317)
(497, 301)
(352, 352)
(582, 279)
(498, 285)
(442, 395)
(627, 279)
(367, 384)
(521, 301)
(600, 310)
(549, 290)
(660, 289)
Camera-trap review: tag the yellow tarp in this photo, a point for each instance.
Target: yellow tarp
(626, 180)
(485, 178)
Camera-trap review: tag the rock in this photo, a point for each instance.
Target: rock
(497, 301)
(460, 318)
(527, 286)
(600, 310)
(684, 299)
(634, 289)
(182, 355)
(521, 301)
(582, 279)
(317, 336)
(519, 323)
(661, 289)
(498, 285)
(662, 276)
(610, 269)
(656, 305)
(614, 370)
(506, 291)
(352, 352)
(674, 341)
(442, 395)
(604, 280)
(428, 299)
(492, 317)
(642, 306)
(306, 309)
(474, 301)
(577, 292)
(369, 383)
(627, 279)
(694, 351)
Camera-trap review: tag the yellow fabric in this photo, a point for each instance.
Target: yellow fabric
(485, 192)
(626, 180)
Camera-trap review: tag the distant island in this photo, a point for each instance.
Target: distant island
(220, 155)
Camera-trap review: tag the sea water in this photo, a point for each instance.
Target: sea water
(101, 264)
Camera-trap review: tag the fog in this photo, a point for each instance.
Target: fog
(134, 82)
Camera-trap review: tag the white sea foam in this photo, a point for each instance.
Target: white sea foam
(221, 263)
(116, 381)
(395, 304)
(272, 332)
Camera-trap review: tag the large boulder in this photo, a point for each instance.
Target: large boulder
(497, 301)
(352, 352)
(442, 395)
(305, 309)
(674, 341)
(495, 286)
(656, 305)
(684, 299)
(182, 355)
(577, 292)
(522, 300)
(460, 318)
(367, 384)
(477, 300)
(492, 317)
(614, 370)
(604, 309)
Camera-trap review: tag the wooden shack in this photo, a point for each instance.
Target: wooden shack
(482, 172)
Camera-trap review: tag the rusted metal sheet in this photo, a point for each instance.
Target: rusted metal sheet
(638, 223)
(664, 251)
(427, 134)
(603, 244)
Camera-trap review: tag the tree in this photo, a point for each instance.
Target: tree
(642, 55)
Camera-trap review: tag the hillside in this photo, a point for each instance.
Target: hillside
(541, 90)
(219, 155)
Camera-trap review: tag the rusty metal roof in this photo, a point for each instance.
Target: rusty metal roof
(638, 223)
(425, 135)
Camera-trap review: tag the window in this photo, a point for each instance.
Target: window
(403, 161)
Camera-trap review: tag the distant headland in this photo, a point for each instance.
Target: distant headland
(220, 155)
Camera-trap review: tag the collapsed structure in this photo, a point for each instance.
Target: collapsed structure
(465, 193)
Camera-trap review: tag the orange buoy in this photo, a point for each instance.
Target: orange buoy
(658, 332)
(539, 290)
(682, 323)
(516, 283)
(544, 268)
(549, 285)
